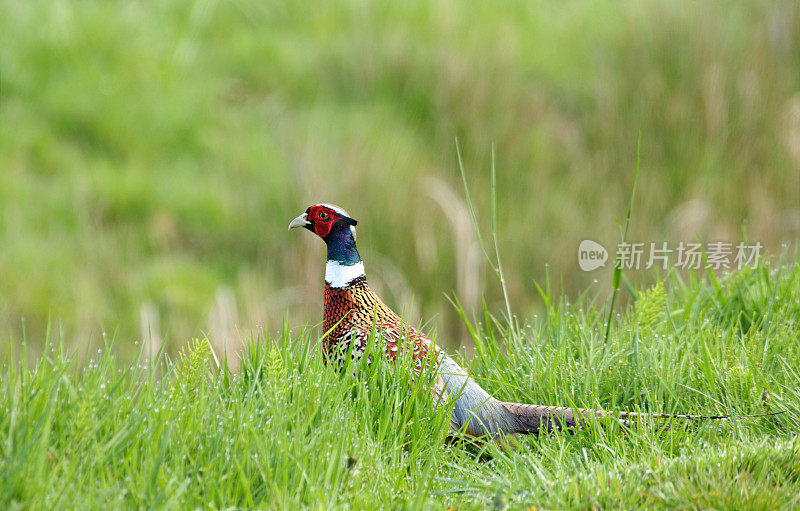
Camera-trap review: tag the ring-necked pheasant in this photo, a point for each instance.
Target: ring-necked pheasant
(352, 310)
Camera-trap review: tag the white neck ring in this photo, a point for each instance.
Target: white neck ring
(340, 275)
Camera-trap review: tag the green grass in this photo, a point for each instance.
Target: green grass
(152, 153)
(287, 432)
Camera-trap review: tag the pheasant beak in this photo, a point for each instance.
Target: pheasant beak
(300, 221)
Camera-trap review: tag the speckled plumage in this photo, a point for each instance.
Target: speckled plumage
(350, 314)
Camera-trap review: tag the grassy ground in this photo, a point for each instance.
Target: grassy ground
(153, 152)
(287, 432)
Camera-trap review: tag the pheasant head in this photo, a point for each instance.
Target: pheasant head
(337, 229)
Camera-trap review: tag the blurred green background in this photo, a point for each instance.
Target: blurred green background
(152, 153)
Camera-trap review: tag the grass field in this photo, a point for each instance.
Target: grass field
(153, 152)
(286, 432)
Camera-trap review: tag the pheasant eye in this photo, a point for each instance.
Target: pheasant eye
(322, 215)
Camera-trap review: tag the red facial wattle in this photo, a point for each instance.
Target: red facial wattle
(323, 227)
(323, 220)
